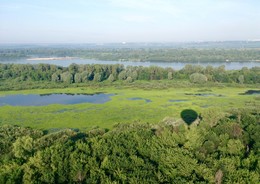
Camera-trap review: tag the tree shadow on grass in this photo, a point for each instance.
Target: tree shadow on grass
(189, 116)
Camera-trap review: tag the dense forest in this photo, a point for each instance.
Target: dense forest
(219, 148)
(138, 54)
(11, 74)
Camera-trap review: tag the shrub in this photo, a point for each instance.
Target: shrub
(198, 78)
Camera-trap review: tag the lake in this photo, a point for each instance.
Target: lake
(47, 99)
(175, 65)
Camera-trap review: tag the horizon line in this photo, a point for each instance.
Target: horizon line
(124, 42)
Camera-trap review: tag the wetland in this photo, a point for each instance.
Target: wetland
(106, 109)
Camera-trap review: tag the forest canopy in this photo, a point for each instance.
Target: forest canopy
(80, 74)
(223, 148)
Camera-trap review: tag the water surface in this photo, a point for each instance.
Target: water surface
(47, 99)
(251, 92)
(137, 98)
(178, 100)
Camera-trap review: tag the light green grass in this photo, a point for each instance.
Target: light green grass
(120, 109)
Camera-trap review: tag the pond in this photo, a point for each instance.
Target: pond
(178, 100)
(204, 94)
(47, 99)
(137, 98)
(251, 92)
(174, 65)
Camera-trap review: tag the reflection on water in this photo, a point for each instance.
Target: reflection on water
(47, 99)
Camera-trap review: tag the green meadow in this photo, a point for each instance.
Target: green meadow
(168, 102)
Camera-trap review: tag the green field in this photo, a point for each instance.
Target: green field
(122, 110)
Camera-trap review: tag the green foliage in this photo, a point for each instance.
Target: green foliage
(97, 73)
(134, 153)
(111, 78)
(122, 75)
(11, 173)
(211, 116)
(23, 147)
(129, 79)
(97, 77)
(198, 78)
(78, 78)
(66, 77)
(241, 79)
(170, 75)
(55, 77)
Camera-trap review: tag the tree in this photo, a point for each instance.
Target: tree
(11, 173)
(122, 75)
(23, 147)
(97, 77)
(129, 79)
(55, 77)
(73, 68)
(188, 69)
(78, 78)
(111, 78)
(170, 76)
(7, 74)
(211, 117)
(234, 147)
(198, 78)
(209, 69)
(241, 79)
(85, 76)
(67, 77)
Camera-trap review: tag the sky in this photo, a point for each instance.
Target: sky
(106, 21)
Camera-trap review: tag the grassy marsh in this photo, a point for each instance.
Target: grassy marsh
(121, 109)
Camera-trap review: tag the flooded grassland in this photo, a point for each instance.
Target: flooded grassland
(110, 105)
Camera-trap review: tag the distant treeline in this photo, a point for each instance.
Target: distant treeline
(98, 73)
(220, 149)
(138, 54)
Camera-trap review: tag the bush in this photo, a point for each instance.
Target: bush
(129, 79)
(198, 78)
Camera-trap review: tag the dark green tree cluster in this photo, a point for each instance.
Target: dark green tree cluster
(220, 149)
(97, 73)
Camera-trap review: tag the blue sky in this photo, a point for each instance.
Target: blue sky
(102, 21)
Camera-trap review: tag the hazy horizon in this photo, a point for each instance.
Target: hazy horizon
(119, 21)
